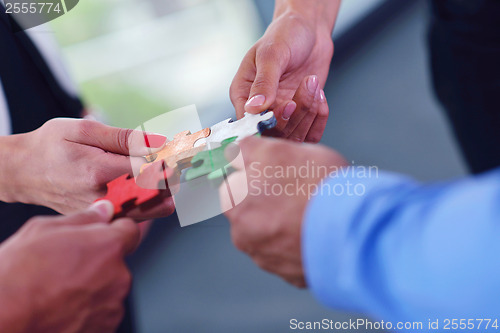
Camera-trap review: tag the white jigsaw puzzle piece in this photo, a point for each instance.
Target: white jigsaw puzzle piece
(245, 127)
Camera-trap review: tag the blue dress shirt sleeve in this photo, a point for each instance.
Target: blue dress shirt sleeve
(400, 251)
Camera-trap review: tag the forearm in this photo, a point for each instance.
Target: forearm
(13, 155)
(321, 13)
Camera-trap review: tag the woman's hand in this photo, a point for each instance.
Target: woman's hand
(296, 47)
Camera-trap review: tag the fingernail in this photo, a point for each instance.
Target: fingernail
(104, 208)
(322, 97)
(289, 110)
(312, 84)
(258, 100)
(154, 140)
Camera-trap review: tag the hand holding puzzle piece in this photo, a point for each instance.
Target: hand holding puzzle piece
(202, 153)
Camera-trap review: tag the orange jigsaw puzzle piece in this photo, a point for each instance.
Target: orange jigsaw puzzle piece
(178, 153)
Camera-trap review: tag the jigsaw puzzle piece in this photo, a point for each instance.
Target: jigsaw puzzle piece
(150, 188)
(183, 160)
(249, 125)
(126, 195)
(183, 141)
(210, 161)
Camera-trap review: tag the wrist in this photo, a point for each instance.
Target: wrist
(13, 155)
(320, 14)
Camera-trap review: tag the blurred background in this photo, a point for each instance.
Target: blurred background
(136, 59)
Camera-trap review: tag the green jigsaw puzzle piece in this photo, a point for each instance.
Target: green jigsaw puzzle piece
(210, 163)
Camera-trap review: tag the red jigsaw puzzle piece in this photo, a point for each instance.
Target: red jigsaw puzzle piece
(126, 195)
(150, 188)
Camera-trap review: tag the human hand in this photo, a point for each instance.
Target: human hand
(66, 164)
(285, 72)
(67, 274)
(267, 223)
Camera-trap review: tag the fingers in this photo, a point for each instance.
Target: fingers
(96, 217)
(128, 234)
(116, 140)
(304, 97)
(300, 132)
(271, 62)
(318, 127)
(242, 82)
(101, 211)
(304, 118)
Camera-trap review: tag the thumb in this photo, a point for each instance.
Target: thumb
(116, 140)
(99, 212)
(270, 65)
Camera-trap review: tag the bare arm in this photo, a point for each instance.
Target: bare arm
(321, 13)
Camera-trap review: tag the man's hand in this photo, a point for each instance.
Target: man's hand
(66, 274)
(296, 50)
(281, 177)
(66, 164)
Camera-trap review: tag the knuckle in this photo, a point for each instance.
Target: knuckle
(279, 149)
(85, 127)
(297, 282)
(263, 263)
(307, 105)
(313, 138)
(286, 132)
(122, 138)
(268, 50)
(327, 48)
(97, 181)
(239, 241)
(113, 247)
(233, 94)
(313, 110)
(262, 82)
(273, 51)
(125, 281)
(296, 138)
(35, 224)
(167, 207)
(234, 90)
(51, 123)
